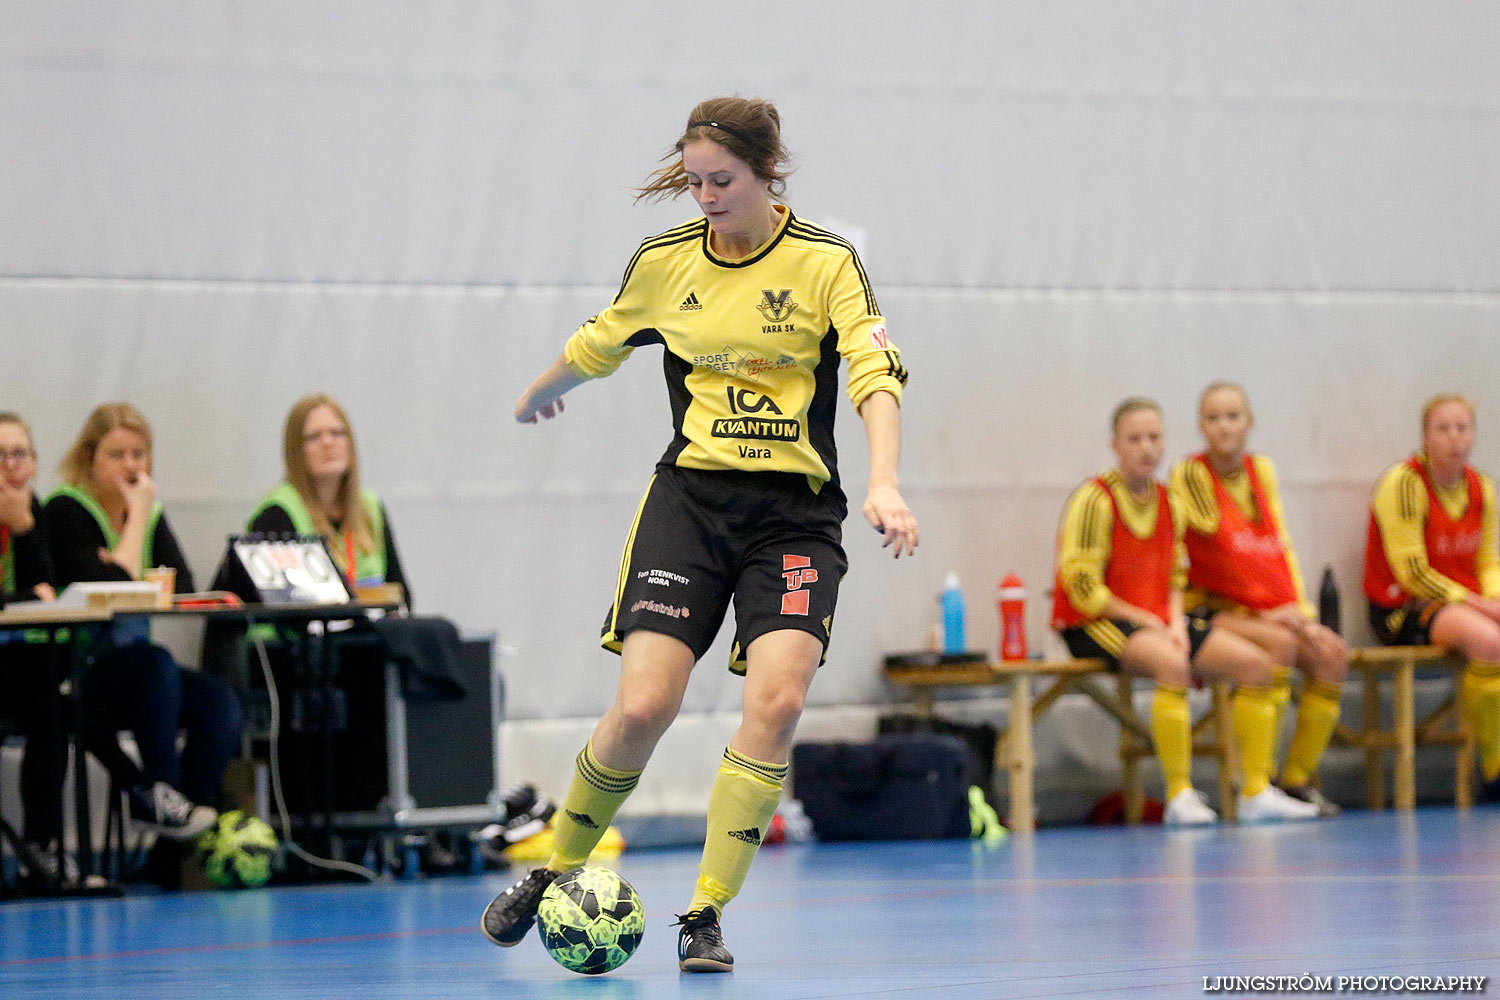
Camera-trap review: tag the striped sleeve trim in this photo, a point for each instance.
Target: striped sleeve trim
(685, 233)
(1091, 527)
(1426, 581)
(1200, 492)
(1411, 507)
(1411, 496)
(816, 234)
(894, 368)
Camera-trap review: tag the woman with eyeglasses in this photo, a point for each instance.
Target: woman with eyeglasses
(322, 495)
(105, 523)
(26, 575)
(25, 568)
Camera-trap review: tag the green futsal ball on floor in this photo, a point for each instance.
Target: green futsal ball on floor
(591, 920)
(238, 852)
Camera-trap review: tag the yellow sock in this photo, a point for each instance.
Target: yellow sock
(1254, 717)
(1316, 718)
(1172, 732)
(1481, 700)
(593, 798)
(1281, 697)
(739, 813)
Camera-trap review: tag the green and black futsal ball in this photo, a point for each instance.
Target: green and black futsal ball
(238, 852)
(591, 920)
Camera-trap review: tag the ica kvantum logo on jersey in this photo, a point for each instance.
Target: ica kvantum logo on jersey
(777, 308)
(746, 422)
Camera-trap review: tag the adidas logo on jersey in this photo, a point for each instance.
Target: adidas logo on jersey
(582, 819)
(690, 304)
(750, 836)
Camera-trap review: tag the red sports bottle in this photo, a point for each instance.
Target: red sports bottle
(1011, 600)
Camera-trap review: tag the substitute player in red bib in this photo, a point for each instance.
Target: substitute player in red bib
(1432, 571)
(1243, 575)
(1118, 596)
(754, 308)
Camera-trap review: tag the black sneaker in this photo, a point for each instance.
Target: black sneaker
(526, 815)
(700, 943)
(511, 914)
(167, 812)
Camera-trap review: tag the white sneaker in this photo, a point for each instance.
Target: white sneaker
(1272, 805)
(1189, 807)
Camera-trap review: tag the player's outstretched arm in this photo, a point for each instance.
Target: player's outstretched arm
(884, 508)
(544, 396)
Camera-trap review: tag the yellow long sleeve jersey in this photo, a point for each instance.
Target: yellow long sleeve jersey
(752, 346)
(1085, 539)
(1399, 509)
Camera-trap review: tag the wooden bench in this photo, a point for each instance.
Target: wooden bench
(1016, 757)
(1445, 726)
(1014, 751)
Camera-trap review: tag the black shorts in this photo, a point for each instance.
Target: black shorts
(1105, 638)
(765, 541)
(1408, 625)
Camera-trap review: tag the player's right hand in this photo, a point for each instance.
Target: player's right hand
(526, 413)
(139, 494)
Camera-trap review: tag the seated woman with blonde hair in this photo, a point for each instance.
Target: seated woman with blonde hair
(1243, 575)
(322, 495)
(1432, 565)
(105, 523)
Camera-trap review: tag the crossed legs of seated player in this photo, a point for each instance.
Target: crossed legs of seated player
(1153, 653)
(1476, 636)
(1323, 659)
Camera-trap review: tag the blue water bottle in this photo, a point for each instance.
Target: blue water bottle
(952, 601)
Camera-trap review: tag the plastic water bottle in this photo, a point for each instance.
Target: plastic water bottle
(1328, 600)
(1010, 599)
(952, 601)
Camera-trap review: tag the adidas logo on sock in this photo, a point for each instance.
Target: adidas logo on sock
(582, 819)
(690, 304)
(750, 836)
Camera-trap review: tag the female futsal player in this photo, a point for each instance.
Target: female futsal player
(754, 309)
(1432, 572)
(1243, 576)
(1118, 596)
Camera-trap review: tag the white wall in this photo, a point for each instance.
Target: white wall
(211, 208)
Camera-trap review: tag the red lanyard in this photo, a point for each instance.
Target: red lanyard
(349, 556)
(4, 540)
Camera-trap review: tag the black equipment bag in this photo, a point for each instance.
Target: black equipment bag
(980, 736)
(903, 786)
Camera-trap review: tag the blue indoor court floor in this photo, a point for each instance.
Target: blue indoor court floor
(1079, 912)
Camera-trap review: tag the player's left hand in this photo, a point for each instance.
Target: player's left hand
(889, 515)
